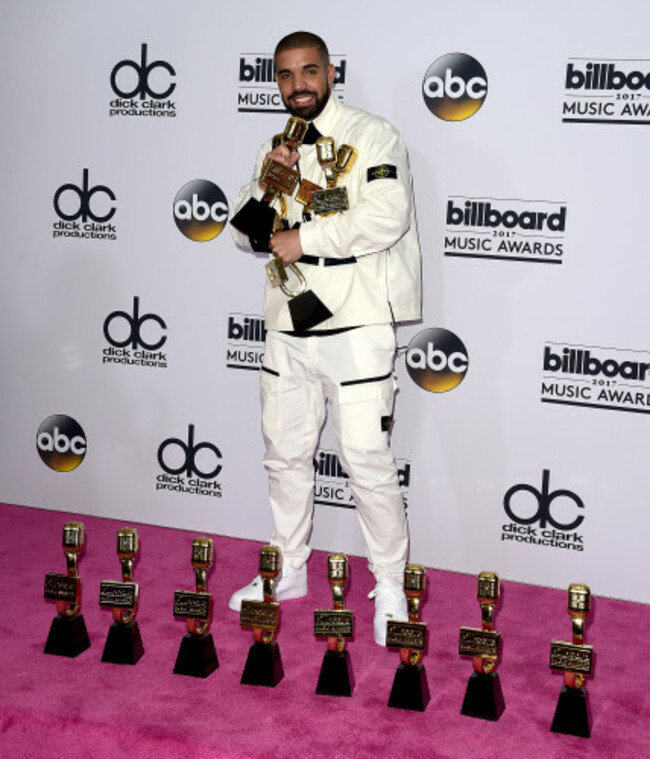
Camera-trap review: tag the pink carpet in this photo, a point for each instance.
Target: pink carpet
(51, 706)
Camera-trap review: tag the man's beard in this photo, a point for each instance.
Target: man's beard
(308, 112)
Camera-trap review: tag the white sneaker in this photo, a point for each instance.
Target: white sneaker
(390, 603)
(292, 584)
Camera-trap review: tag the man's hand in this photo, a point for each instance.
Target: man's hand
(286, 246)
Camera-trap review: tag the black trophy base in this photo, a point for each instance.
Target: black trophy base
(572, 713)
(307, 311)
(68, 636)
(263, 665)
(123, 644)
(483, 697)
(410, 688)
(197, 656)
(336, 677)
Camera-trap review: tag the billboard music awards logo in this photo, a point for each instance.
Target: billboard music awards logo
(134, 338)
(332, 486)
(436, 360)
(143, 87)
(200, 210)
(258, 92)
(587, 375)
(454, 87)
(84, 210)
(505, 229)
(61, 443)
(543, 517)
(189, 466)
(246, 336)
(607, 91)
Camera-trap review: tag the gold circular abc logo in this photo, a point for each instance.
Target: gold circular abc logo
(61, 443)
(437, 360)
(454, 87)
(200, 210)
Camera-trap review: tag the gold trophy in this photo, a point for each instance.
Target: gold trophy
(68, 635)
(264, 663)
(483, 696)
(410, 687)
(197, 656)
(336, 678)
(123, 643)
(575, 659)
(334, 164)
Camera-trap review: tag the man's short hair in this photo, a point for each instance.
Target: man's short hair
(303, 39)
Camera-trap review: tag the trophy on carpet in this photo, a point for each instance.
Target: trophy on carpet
(197, 656)
(483, 696)
(68, 635)
(259, 221)
(336, 678)
(575, 659)
(410, 687)
(123, 643)
(264, 663)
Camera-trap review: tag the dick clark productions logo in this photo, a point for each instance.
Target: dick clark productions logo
(454, 87)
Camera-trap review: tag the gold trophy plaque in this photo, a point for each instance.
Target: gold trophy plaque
(124, 642)
(483, 696)
(334, 164)
(197, 656)
(68, 635)
(337, 624)
(410, 687)
(575, 659)
(264, 663)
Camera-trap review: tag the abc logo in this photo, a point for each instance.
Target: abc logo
(129, 331)
(176, 456)
(200, 210)
(143, 78)
(454, 87)
(437, 360)
(61, 443)
(80, 206)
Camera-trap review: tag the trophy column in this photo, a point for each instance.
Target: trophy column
(264, 663)
(197, 656)
(68, 635)
(123, 643)
(336, 678)
(483, 696)
(410, 687)
(575, 659)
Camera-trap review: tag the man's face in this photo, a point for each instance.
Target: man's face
(304, 81)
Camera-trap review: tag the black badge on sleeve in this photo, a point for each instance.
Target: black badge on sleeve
(385, 171)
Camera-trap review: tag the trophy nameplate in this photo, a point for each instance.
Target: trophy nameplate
(260, 614)
(330, 201)
(190, 604)
(278, 177)
(410, 635)
(118, 594)
(330, 623)
(61, 587)
(473, 642)
(571, 657)
(305, 190)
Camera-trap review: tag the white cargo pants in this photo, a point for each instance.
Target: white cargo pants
(353, 372)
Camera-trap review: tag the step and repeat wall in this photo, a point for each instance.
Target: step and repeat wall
(132, 326)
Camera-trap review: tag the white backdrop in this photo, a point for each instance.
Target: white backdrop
(543, 140)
